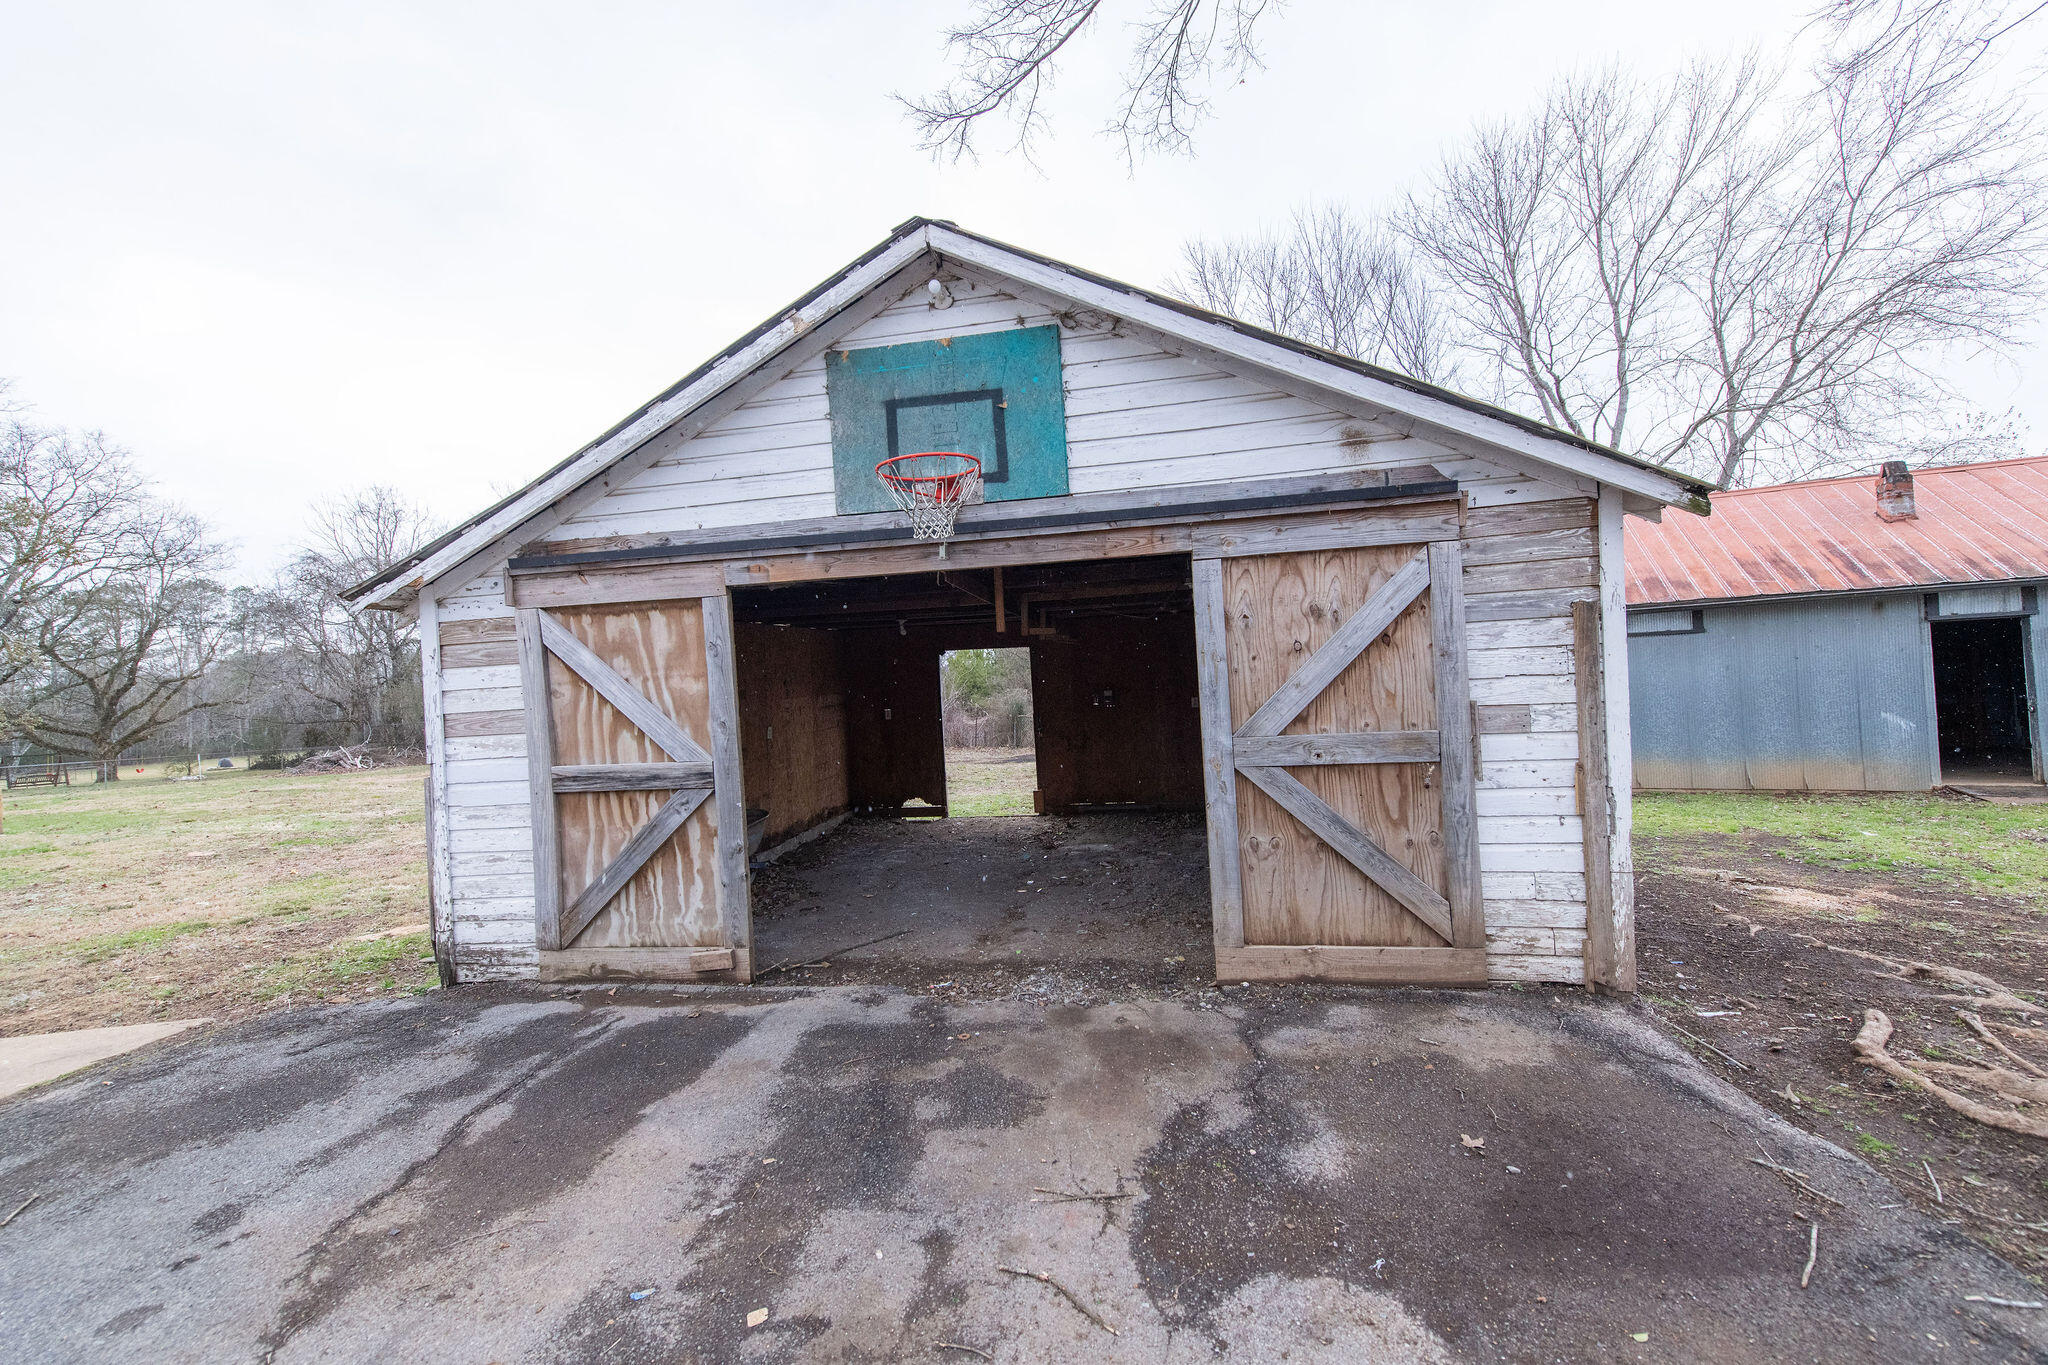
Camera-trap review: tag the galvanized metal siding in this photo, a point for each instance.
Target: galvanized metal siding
(1828, 695)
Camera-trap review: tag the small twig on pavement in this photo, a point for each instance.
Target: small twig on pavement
(1812, 1252)
(1738, 1065)
(1063, 1291)
(2002, 1303)
(1797, 1179)
(836, 952)
(1071, 1197)
(18, 1212)
(1932, 1181)
(963, 1346)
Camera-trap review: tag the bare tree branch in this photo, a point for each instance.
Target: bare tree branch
(1005, 60)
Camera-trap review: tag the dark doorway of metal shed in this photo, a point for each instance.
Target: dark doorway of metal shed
(864, 861)
(1980, 701)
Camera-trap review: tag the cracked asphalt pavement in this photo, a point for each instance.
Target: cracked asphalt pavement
(852, 1174)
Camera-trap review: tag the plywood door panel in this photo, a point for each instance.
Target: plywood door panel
(672, 900)
(1299, 890)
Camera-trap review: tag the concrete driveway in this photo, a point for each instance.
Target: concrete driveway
(490, 1174)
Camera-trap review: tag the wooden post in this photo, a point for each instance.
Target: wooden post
(999, 599)
(440, 873)
(540, 784)
(722, 661)
(1458, 742)
(1610, 958)
(1219, 764)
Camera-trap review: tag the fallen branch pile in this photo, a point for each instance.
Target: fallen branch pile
(352, 758)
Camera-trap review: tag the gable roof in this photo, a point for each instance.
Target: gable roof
(1973, 524)
(913, 245)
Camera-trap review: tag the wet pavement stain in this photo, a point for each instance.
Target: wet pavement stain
(853, 1109)
(557, 1126)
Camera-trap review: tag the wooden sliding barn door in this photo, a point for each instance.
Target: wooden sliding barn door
(640, 859)
(1337, 748)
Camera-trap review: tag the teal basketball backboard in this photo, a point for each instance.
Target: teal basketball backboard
(997, 396)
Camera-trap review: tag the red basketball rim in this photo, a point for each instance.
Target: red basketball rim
(889, 475)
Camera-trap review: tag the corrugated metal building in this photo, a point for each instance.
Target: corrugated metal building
(1851, 634)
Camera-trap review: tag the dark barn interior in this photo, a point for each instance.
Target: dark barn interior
(1980, 699)
(839, 692)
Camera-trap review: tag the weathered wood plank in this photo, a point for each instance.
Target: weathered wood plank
(1321, 531)
(471, 724)
(1522, 606)
(629, 860)
(540, 748)
(603, 585)
(1363, 966)
(1577, 572)
(1336, 654)
(722, 661)
(1361, 852)
(629, 700)
(630, 777)
(1572, 543)
(1459, 746)
(477, 630)
(1219, 771)
(1505, 719)
(481, 654)
(646, 964)
(1365, 746)
(982, 554)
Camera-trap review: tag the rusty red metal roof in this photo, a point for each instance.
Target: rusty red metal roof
(1976, 523)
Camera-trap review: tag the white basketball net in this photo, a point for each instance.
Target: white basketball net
(931, 490)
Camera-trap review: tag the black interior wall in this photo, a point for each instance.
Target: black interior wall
(1980, 693)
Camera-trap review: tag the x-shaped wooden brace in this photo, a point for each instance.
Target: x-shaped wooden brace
(1262, 754)
(688, 775)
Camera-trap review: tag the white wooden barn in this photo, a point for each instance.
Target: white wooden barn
(1373, 628)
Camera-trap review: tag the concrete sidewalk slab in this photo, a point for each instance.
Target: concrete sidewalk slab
(44, 1057)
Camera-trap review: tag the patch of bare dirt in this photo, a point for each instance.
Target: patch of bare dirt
(1767, 967)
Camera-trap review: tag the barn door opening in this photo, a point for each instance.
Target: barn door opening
(991, 762)
(639, 820)
(1980, 700)
(1338, 761)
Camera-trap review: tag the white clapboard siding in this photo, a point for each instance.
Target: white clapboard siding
(1530, 857)
(1137, 417)
(495, 862)
(485, 793)
(508, 838)
(471, 771)
(491, 817)
(1508, 914)
(1533, 886)
(487, 746)
(496, 886)
(1534, 829)
(468, 700)
(1524, 689)
(1569, 971)
(1525, 801)
(1514, 663)
(1531, 748)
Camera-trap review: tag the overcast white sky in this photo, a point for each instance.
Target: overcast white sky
(282, 251)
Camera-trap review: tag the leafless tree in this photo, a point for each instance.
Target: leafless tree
(1904, 219)
(1005, 58)
(67, 505)
(1333, 278)
(1712, 274)
(120, 655)
(356, 663)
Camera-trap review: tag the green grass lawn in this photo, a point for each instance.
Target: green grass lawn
(1980, 846)
(144, 898)
(989, 781)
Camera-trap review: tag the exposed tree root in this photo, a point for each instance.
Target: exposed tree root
(1977, 1027)
(1997, 1080)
